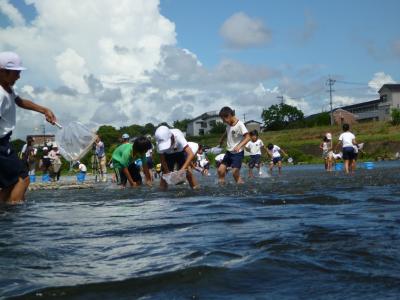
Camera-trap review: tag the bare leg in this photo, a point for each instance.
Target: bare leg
(271, 166)
(236, 176)
(191, 179)
(221, 174)
(280, 167)
(251, 173)
(16, 193)
(346, 166)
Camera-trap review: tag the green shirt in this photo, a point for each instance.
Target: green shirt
(122, 156)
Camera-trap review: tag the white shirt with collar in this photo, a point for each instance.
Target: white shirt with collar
(235, 135)
(7, 111)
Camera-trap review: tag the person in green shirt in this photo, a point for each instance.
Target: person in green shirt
(124, 157)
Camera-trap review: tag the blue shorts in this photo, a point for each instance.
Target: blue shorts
(233, 160)
(275, 160)
(175, 159)
(11, 167)
(150, 163)
(254, 161)
(348, 153)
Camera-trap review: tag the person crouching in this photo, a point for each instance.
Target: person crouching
(123, 159)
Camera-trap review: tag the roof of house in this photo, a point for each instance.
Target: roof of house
(361, 104)
(391, 86)
(252, 121)
(207, 115)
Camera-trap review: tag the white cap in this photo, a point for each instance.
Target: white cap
(125, 136)
(45, 149)
(329, 136)
(55, 145)
(163, 138)
(10, 61)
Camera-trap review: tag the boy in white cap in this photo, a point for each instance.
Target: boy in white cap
(14, 178)
(174, 150)
(237, 137)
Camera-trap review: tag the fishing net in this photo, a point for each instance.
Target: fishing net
(175, 177)
(75, 140)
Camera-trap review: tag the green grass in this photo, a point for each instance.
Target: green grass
(382, 140)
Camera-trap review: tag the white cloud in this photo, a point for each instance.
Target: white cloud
(379, 79)
(241, 31)
(7, 9)
(72, 70)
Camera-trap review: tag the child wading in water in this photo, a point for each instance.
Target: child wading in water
(274, 152)
(326, 147)
(237, 137)
(347, 140)
(255, 146)
(14, 179)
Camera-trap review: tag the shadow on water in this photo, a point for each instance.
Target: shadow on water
(303, 234)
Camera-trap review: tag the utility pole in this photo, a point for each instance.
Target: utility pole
(244, 118)
(331, 82)
(44, 135)
(281, 98)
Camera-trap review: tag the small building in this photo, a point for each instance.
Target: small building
(366, 111)
(253, 125)
(341, 116)
(389, 99)
(202, 124)
(39, 140)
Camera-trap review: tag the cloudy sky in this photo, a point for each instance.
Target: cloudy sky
(143, 61)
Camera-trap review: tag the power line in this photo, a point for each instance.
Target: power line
(350, 82)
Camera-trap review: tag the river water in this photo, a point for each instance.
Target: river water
(303, 235)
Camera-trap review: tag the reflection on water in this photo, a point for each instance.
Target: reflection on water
(306, 234)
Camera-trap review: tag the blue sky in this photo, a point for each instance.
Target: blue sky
(180, 58)
(345, 32)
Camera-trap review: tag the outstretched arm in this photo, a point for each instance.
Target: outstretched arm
(28, 104)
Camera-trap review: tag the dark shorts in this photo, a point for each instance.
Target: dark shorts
(254, 161)
(150, 163)
(275, 160)
(233, 160)
(348, 153)
(11, 167)
(175, 159)
(133, 169)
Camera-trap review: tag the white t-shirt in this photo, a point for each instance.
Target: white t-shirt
(7, 111)
(235, 134)
(179, 144)
(82, 168)
(255, 147)
(194, 147)
(275, 151)
(347, 139)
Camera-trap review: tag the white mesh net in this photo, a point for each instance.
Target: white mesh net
(75, 140)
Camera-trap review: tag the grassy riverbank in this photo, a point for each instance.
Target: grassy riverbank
(382, 140)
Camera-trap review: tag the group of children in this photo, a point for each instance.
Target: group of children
(176, 153)
(349, 150)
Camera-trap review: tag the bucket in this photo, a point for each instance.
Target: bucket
(80, 177)
(369, 165)
(32, 178)
(45, 178)
(338, 166)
